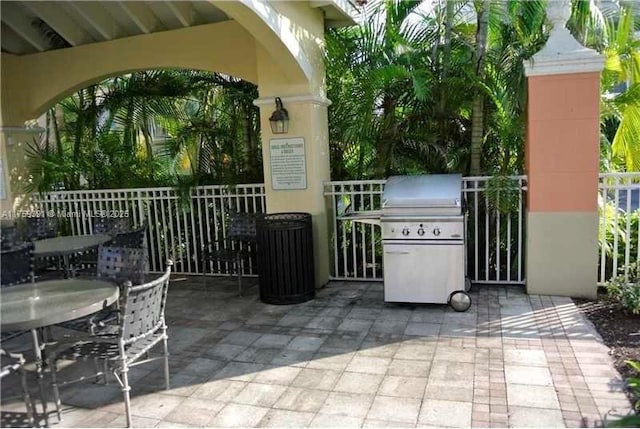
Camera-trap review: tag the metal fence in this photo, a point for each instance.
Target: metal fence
(179, 225)
(619, 229)
(495, 229)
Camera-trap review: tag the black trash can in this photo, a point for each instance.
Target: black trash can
(285, 258)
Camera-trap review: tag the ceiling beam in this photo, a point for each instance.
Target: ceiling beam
(13, 43)
(22, 25)
(141, 15)
(98, 18)
(320, 3)
(60, 22)
(182, 11)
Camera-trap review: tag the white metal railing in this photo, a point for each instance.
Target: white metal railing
(619, 228)
(178, 225)
(355, 247)
(495, 237)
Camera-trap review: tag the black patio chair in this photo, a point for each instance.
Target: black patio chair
(16, 268)
(87, 261)
(116, 227)
(13, 363)
(134, 238)
(121, 265)
(236, 248)
(126, 343)
(10, 237)
(110, 225)
(16, 265)
(38, 228)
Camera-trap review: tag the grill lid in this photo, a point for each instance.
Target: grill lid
(429, 191)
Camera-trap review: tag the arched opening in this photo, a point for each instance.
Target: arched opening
(149, 128)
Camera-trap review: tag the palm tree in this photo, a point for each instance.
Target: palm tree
(477, 120)
(105, 136)
(516, 32)
(621, 88)
(392, 112)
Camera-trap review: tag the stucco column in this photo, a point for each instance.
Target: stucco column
(6, 200)
(562, 163)
(14, 141)
(307, 126)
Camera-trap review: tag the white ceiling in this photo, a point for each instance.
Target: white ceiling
(38, 26)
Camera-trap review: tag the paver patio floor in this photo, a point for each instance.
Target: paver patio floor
(348, 359)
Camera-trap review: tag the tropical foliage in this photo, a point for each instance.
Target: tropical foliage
(151, 128)
(427, 98)
(621, 86)
(416, 88)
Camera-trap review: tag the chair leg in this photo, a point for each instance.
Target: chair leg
(27, 397)
(105, 369)
(204, 272)
(239, 273)
(166, 359)
(40, 375)
(96, 369)
(125, 392)
(53, 367)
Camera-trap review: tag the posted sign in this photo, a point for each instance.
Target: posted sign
(288, 165)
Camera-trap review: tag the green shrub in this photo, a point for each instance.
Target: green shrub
(626, 293)
(613, 227)
(633, 383)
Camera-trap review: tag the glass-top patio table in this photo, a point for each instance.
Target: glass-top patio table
(67, 245)
(35, 305)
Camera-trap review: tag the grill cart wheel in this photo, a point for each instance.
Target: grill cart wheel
(467, 284)
(459, 300)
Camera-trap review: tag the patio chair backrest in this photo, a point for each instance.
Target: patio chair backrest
(10, 237)
(133, 238)
(121, 264)
(143, 308)
(111, 225)
(16, 265)
(242, 226)
(37, 228)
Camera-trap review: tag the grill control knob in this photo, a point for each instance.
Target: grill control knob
(421, 232)
(405, 231)
(436, 231)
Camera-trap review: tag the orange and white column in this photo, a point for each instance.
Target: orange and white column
(562, 163)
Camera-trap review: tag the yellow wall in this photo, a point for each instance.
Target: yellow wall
(277, 45)
(6, 203)
(14, 164)
(32, 83)
(308, 120)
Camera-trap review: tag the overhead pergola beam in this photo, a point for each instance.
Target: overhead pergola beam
(61, 23)
(182, 11)
(96, 16)
(141, 15)
(23, 26)
(12, 42)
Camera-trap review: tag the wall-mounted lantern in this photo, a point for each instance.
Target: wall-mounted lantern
(279, 119)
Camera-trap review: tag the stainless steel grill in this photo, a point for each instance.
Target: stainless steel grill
(423, 239)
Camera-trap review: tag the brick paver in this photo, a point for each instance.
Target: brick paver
(348, 359)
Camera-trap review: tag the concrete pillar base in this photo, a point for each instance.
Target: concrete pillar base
(562, 254)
